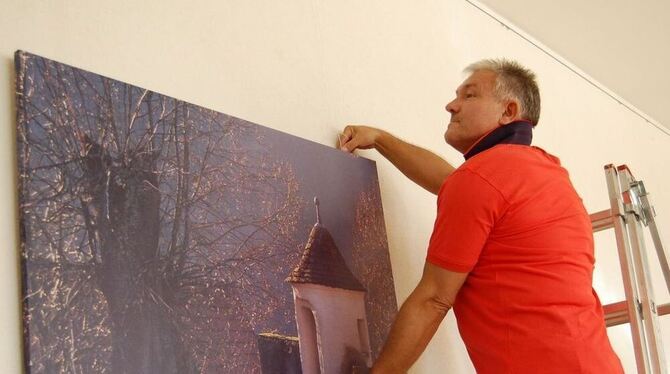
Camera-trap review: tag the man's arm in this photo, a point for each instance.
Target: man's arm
(418, 319)
(425, 168)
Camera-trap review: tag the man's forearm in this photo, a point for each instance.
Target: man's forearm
(414, 326)
(420, 165)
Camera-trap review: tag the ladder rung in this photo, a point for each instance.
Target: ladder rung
(601, 220)
(617, 313)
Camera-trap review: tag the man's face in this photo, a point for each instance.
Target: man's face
(474, 112)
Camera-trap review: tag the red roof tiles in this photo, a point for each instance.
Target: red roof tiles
(322, 263)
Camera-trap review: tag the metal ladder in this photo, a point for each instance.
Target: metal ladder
(630, 210)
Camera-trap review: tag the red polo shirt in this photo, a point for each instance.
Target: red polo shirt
(511, 218)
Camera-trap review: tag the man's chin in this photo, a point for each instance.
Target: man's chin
(450, 136)
(459, 146)
(450, 141)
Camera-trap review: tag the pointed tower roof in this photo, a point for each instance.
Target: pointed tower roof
(322, 263)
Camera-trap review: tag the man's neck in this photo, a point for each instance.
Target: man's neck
(517, 132)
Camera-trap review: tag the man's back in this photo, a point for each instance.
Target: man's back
(510, 217)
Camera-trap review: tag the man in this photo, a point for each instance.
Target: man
(512, 246)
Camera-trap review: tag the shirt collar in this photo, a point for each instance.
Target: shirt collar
(517, 132)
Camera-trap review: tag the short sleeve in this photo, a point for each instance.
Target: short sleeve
(468, 207)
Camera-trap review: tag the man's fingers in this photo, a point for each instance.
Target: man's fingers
(357, 137)
(347, 134)
(341, 142)
(346, 138)
(350, 146)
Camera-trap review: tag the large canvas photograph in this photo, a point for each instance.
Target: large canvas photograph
(162, 237)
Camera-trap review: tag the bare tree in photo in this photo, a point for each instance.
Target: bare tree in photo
(152, 228)
(372, 266)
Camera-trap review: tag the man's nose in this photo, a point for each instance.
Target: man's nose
(451, 107)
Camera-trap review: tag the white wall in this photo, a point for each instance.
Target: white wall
(310, 67)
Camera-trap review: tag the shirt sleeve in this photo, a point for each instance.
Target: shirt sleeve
(468, 207)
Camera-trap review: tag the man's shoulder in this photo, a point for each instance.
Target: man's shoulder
(510, 155)
(503, 162)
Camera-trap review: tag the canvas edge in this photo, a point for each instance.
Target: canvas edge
(20, 58)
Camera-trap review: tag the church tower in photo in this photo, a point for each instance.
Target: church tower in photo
(329, 308)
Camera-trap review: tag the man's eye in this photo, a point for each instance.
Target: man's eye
(469, 95)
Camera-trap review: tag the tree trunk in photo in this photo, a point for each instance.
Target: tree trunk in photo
(124, 212)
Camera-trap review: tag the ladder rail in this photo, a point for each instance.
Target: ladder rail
(647, 304)
(630, 210)
(661, 253)
(635, 214)
(627, 269)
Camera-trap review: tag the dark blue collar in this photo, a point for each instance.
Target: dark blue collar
(517, 132)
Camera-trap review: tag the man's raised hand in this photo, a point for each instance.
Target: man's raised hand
(359, 137)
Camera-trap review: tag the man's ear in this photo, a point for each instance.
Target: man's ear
(510, 114)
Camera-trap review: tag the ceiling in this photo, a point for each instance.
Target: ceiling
(622, 45)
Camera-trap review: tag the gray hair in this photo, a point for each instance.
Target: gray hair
(513, 81)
